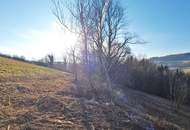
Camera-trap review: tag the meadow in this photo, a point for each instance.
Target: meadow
(12, 69)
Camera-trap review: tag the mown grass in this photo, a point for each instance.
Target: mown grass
(12, 68)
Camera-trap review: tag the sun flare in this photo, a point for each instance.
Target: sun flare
(40, 42)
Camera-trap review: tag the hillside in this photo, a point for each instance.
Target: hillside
(11, 69)
(174, 57)
(181, 61)
(38, 98)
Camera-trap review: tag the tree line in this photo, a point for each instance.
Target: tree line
(154, 79)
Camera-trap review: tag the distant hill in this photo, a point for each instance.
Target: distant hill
(181, 61)
(174, 57)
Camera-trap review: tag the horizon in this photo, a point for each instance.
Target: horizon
(27, 26)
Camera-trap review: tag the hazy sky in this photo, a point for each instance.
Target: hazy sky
(27, 26)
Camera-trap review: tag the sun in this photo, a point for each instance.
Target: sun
(36, 43)
(59, 40)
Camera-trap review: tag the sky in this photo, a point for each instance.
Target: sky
(28, 28)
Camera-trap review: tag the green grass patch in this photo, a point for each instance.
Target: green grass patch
(13, 68)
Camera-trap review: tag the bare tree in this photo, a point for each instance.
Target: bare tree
(78, 12)
(65, 63)
(101, 25)
(50, 59)
(74, 63)
(78, 22)
(178, 87)
(109, 34)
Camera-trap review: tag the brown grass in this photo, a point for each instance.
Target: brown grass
(19, 100)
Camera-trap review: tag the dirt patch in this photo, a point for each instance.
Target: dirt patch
(65, 93)
(49, 104)
(27, 127)
(21, 89)
(28, 102)
(24, 118)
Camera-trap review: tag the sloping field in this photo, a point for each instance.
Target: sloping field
(11, 68)
(38, 98)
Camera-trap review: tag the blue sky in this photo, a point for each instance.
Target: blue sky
(27, 25)
(164, 24)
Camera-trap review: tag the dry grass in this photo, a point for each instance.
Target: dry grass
(47, 100)
(21, 84)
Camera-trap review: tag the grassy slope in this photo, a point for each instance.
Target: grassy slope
(9, 68)
(19, 99)
(21, 84)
